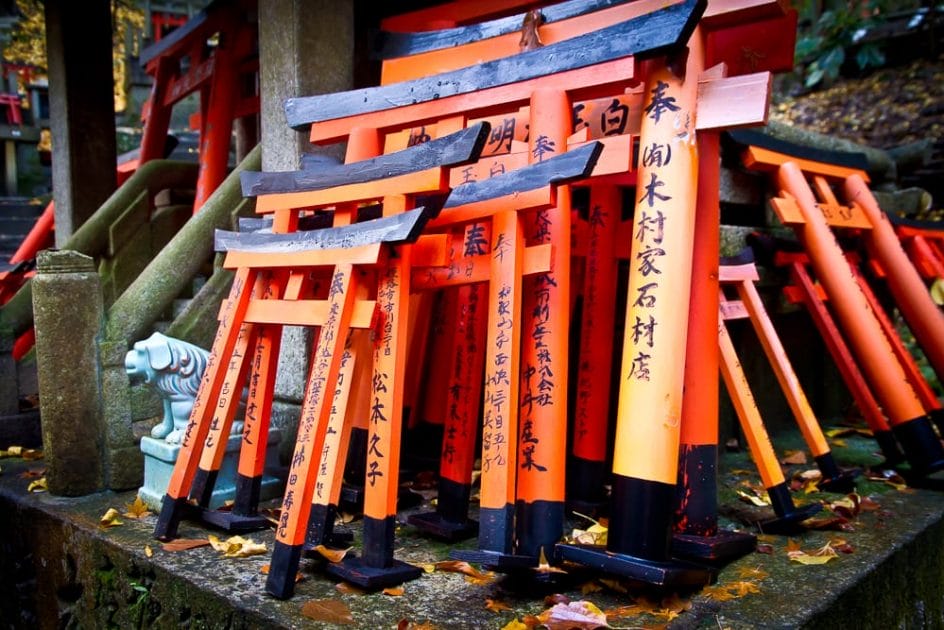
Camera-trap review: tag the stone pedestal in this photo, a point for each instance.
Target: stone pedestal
(160, 457)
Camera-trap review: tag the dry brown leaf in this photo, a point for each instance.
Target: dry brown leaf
(794, 458)
(332, 555)
(346, 588)
(482, 578)
(32, 454)
(841, 546)
(613, 585)
(394, 591)
(766, 548)
(630, 610)
(110, 518)
(456, 566)
(556, 598)
(37, 486)
(496, 606)
(33, 473)
(328, 611)
(868, 504)
(183, 544)
(137, 509)
(590, 587)
(472, 575)
(581, 614)
(719, 593)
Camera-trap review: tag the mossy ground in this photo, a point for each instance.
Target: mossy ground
(119, 585)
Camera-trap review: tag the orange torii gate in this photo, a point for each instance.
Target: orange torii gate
(812, 218)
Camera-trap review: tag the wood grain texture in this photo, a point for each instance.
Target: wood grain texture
(575, 164)
(389, 44)
(399, 228)
(647, 35)
(453, 150)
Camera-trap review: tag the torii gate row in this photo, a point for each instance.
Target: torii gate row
(424, 111)
(812, 216)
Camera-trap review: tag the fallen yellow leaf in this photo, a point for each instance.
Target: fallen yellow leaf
(820, 556)
(236, 546)
(137, 509)
(37, 486)
(753, 499)
(148, 551)
(514, 624)
(110, 518)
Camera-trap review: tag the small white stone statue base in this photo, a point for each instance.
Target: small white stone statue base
(160, 457)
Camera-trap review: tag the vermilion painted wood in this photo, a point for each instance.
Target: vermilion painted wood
(762, 451)
(915, 378)
(780, 362)
(192, 443)
(804, 291)
(592, 404)
(697, 507)
(316, 408)
(922, 314)
(542, 432)
(864, 332)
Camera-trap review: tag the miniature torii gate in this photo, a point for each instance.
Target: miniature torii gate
(889, 379)
(370, 106)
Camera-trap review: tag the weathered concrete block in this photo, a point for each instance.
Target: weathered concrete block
(9, 391)
(125, 467)
(293, 364)
(68, 316)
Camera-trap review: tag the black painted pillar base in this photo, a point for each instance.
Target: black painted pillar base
(664, 574)
(376, 568)
(921, 445)
(639, 538)
(321, 530)
(282, 570)
(168, 520)
(247, 494)
(359, 573)
(586, 487)
(789, 517)
(834, 478)
(232, 522)
(719, 548)
(889, 447)
(450, 521)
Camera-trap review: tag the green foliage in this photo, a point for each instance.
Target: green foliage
(829, 31)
